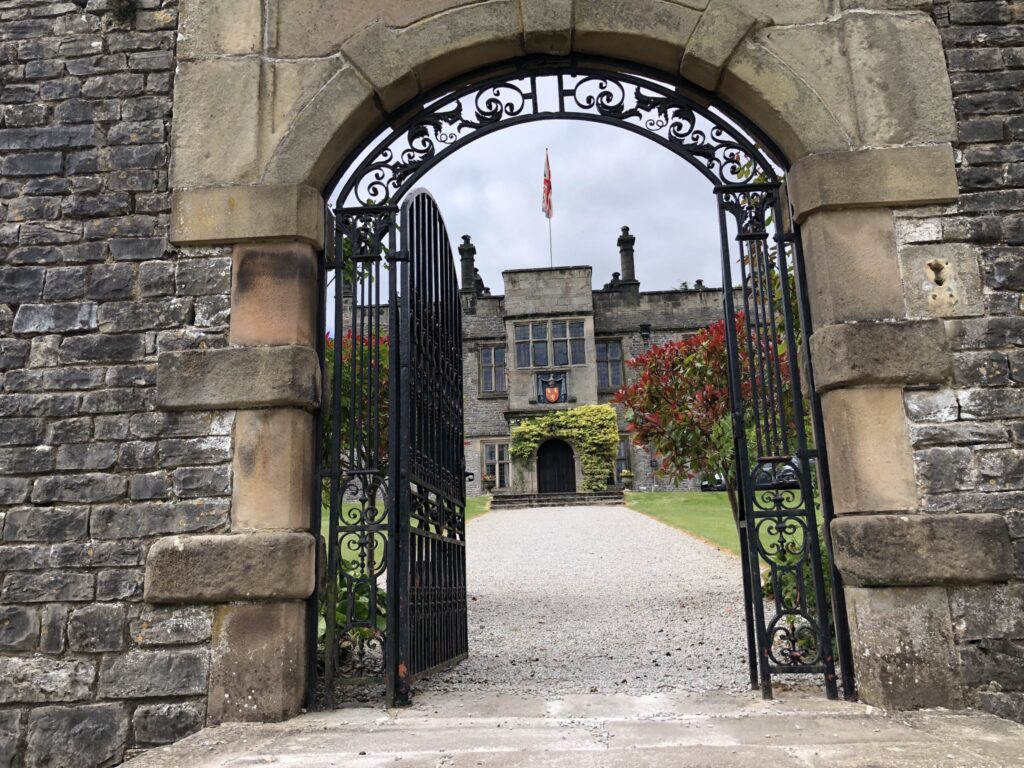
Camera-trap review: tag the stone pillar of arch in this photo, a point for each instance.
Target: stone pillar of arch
(272, 95)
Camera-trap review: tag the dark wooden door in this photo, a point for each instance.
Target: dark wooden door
(556, 472)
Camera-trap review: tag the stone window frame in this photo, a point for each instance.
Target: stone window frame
(598, 363)
(491, 393)
(498, 461)
(572, 359)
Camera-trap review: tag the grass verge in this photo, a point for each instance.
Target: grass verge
(476, 506)
(705, 515)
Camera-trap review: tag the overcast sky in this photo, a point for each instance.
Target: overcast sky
(603, 178)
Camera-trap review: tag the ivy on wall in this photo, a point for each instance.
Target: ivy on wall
(592, 430)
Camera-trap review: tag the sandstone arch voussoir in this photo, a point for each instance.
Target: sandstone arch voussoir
(721, 29)
(769, 93)
(653, 32)
(328, 128)
(401, 62)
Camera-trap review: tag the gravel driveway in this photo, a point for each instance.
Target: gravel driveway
(581, 599)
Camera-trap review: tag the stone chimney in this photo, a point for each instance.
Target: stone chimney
(627, 284)
(626, 243)
(468, 253)
(471, 282)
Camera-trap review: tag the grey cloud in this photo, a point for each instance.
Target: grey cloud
(604, 177)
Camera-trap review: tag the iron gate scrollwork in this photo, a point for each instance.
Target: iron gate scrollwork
(353, 507)
(799, 623)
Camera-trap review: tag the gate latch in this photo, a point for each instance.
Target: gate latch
(470, 476)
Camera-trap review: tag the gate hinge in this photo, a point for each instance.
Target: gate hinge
(400, 255)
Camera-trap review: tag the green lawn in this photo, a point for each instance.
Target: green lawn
(706, 515)
(476, 506)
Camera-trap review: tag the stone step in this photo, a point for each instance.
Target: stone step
(523, 500)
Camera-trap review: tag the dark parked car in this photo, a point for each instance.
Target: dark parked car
(769, 476)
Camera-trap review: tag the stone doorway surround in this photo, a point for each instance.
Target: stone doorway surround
(271, 96)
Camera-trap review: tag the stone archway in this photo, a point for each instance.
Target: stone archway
(270, 97)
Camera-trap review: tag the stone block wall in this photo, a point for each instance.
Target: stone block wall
(90, 474)
(615, 315)
(965, 264)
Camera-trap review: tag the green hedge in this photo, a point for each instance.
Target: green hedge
(592, 430)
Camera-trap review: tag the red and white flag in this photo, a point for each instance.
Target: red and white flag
(546, 205)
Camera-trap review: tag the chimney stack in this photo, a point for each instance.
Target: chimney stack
(468, 253)
(626, 242)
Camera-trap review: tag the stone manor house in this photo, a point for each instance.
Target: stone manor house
(550, 329)
(164, 167)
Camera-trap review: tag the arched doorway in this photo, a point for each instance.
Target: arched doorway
(888, 157)
(776, 420)
(556, 467)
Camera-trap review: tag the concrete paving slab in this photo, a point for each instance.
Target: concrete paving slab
(696, 757)
(976, 732)
(891, 756)
(607, 731)
(783, 730)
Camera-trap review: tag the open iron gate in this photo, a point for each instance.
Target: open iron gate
(391, 600)
(796, 625)
(427, 586)
(795, 609)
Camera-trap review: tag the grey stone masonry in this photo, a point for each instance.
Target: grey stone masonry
(90, 474)
(619, 311)
(969, 437)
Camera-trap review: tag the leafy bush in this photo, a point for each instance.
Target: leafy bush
(592, 430)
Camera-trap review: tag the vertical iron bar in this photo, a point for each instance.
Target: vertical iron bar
(315, 525)
(403, 508)
(748, 597)
(395, 491)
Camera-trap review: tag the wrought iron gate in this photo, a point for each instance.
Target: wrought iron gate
(395, 382)
(391, 480)
(782, 471)
(427, 585)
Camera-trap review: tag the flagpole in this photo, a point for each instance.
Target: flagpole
(551, 247)
(547, 207)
